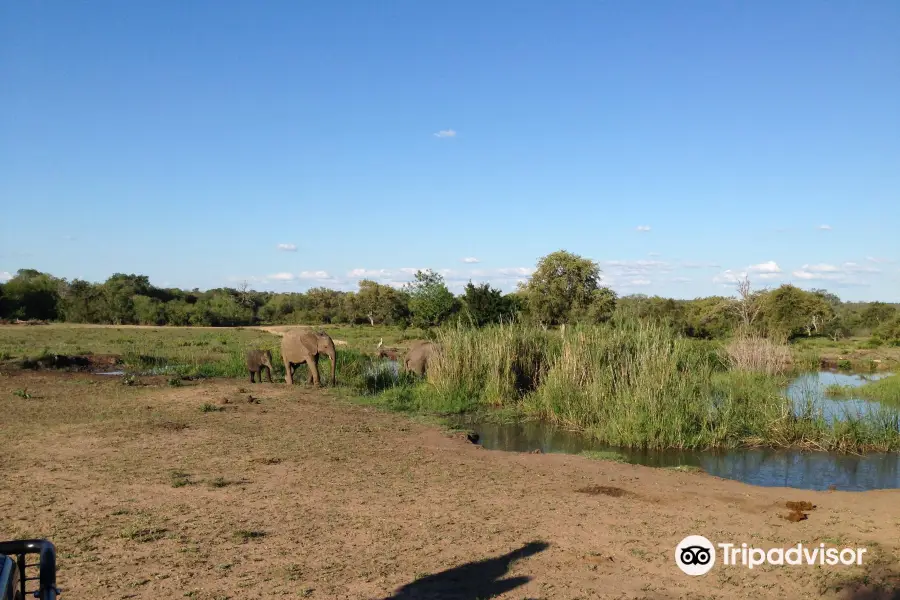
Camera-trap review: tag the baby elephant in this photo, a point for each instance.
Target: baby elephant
(257, 360)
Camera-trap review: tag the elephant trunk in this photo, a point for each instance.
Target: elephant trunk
(333, 356)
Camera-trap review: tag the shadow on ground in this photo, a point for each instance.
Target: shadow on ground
(879, 582)
(471, 581)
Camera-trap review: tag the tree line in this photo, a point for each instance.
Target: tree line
(564, 289)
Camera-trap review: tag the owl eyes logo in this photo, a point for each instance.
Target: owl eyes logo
(695, 555)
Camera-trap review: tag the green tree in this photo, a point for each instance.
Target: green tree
(120, 290)
(601, 308)
(149, 311)
(483, 304)
(224, 309)
(430, 302)
(877, 313)
(33, 295)
(84, 302)
(326, 306)
(791, 312)
(379, 303)
(890, 331)
(712, 317)
(561, 287)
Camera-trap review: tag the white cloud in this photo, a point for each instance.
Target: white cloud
(516, 271)
(317, 275)
(858, 268)
(766, 270)
(638, 281)
(369, 273)
(824, 227)
(612, 270)
(445, 133)
(766, 267)
(821, 268)
(802, 274)
(287, 247)
(470, 260)
(411, 270)
(729, 276)
(847, 273)
(642, 228)
(681, 280)
(281, 277)
(5, 276)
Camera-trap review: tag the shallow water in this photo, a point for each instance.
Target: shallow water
(811, 386)
(770, 468)
(386, 364)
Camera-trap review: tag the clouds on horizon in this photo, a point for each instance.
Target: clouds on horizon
(623, 276)
(287, 247)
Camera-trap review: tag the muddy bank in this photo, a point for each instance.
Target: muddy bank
(68, 362)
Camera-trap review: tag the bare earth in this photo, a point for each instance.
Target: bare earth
(304, 494)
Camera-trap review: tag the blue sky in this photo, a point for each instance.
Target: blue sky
(296, 144)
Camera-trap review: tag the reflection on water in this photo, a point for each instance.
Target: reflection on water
(771, 468)
(811, 387)
(392, 368)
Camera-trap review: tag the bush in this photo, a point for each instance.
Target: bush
(755, 354)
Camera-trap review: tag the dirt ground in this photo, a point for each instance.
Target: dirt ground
(153, 491)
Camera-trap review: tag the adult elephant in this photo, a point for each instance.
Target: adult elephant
(419, 355)
(305, 346)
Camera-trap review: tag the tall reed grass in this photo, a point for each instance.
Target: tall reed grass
(756, 354)
(637, 384)
(495, 365)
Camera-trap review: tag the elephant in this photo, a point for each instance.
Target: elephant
(420, 353)
(257, 360)
(389, 353)
(305, 346)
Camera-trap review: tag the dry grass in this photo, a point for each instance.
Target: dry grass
(753, 353)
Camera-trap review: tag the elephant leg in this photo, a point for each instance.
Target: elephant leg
(314, 369)
(269, 373)
(252, 373)
(288, 373)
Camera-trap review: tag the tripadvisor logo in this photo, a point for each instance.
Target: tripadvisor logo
(695, 555)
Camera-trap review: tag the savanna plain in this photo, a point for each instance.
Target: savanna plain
(177, 477)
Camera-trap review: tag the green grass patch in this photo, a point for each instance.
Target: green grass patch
(886, 390)
(245, 535)
(602, 455)
(836, 390)
(179, 479)
(686, 469)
